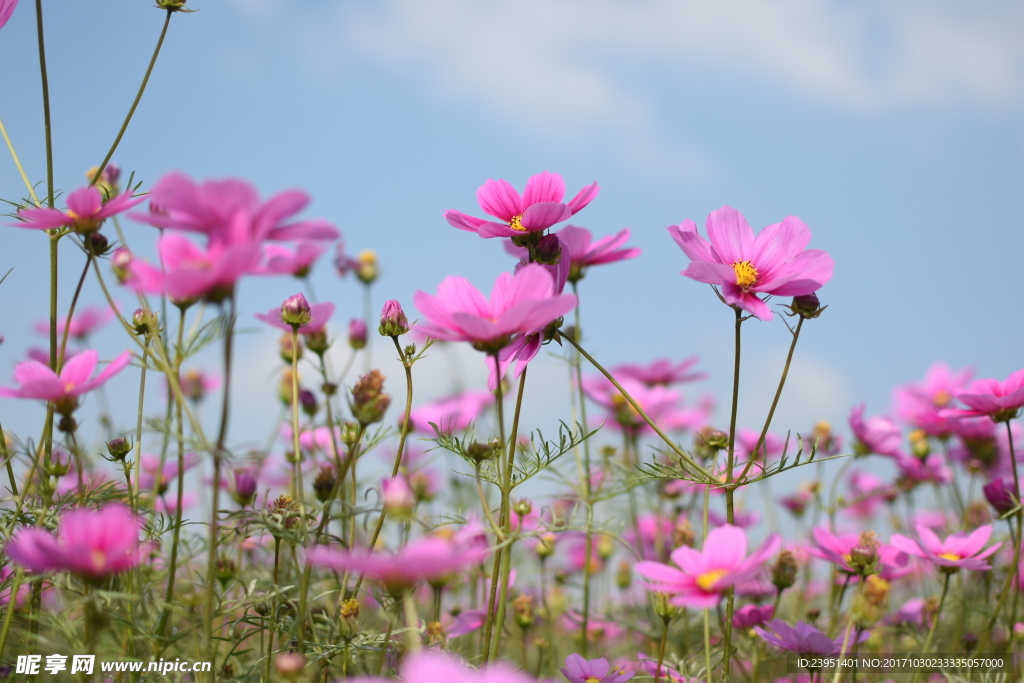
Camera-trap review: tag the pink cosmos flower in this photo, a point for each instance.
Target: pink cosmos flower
(1001, 401)
(40, 382)
(93, 543)
(958, 551)
(6, 10)
(451, 414)
(319, 314)
(539, 207)
(922, 470)
(85, 214)
(656, 401)
(24, 590)
(660, 372)
(230, 212)
(746, 442)
(877, 434)
(427, 558)
(523, 303)
(580, 670)
(580, 252)
(804, 638)
(84, 322)
(190, 272)
(774, 262)
(892, 561)
(703, 577)
(279, 259)
(921, 403)
(750, 616)
(431, 667)
(866, 493)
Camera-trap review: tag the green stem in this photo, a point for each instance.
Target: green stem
(71, 311)
(496, 571)
(661, 652)
(17, 163)
(138, 426)
(643, 415)
(11, 606)
(587, 486)
(8, 457)
(730, 594)
(138, 97)
(46, 105)
(412, 621)
(300, 622)
(935, 622)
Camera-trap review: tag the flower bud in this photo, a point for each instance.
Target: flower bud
(392, 319)
(662, 607)
(624, 575)
(919, 444)
(480, 452)
(399, 500)
(369, 402)
(295, 311)
(318, 342)
(194, 385)
(806, 306)
(999, 495)
(683, 534)
(290, 665)
(423, 486)
(348, 624)
(545, 545)
(969, 641)
(784, 570)
(289, 347)
(224, 568)
(119, 262)
(284, 388)
(357, 333)
(863, 558)
(243, 487)
(605, 546)
(119, 448)
(548, 250)
(716, 439)
(522, 507)
(323, 485)
(349, 433)
(97, 244)
(522, 610)
(366, 267)
(144, 321)
(307, 399)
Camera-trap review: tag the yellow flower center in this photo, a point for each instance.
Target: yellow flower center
(942, 399)
(517, 223)
(72, 215)
(591, 679)
(68, 386)
(99, 559)
(953, 557)
(707, 580)
(746, 274)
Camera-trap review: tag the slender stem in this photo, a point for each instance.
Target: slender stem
(218, 457)
(401, 441)
(11, 606)
(661, 652)
(412, 636)
(71, 313)
(46, 105)
(138, 97)
(587, 485)
(935, 622)
(506, 558)
(495, 573)
(643, 415)
(846, 641)
(273, 611)
(1020, 521)
(138, 424)
(775, 402)
(300, 622)
(384, 647)
(8, 457)
(730, 593)
(707, 612)
(17, 163)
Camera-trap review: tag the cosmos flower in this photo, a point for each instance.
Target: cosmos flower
(580, 670)
(40, 382)
(278, 259)
(190, 272)
(539, 207)
(877, 434)
(92, 543)
(804, 638)
(85, 213)
(519, 304)
(958, 551)
(921, 403)
(661, 371)
(1001, 401)
(451, 414)
(84, 322)
(319, 314)
(703, 576)
(744, 265)
(6, 10)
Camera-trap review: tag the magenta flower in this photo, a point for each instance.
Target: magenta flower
(92, 543)
(774, 262)
(85, 213)
(580, 670)
(539, 207)
(190, 272)
(6, 10)
(278, 259)
(319, 314)
(931, 469)
(958, 551)
(230, 212)
(40, 382)
(661, 371)
(357, 333)
(746, 442)
(921, 403)
(657, 401)
(877, 434)
(703, 577)
(583, 252)
(521, 304)
(999, 495)
(452, 414)
(750, 616)
(839, 550)
(84, 322)
(1001, 401)
(804, 638)
(428, 558)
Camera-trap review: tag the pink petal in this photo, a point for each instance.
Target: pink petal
(85, 201)
(78, 369)
(459, 220)
(541, 216)
(584, 197)
(544, 187)
(498, 198)
(730, 234)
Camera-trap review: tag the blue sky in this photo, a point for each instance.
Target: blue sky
(892, 129)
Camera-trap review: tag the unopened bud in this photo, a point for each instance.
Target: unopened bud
(119, 448)
(392, 319)
(662, 607)
(290, 348)
(357, 333)
(323, 485)
(366, 267)
(399, 500)
(522, 507)
(243, 488)
(290, 665)
(545, 545)
(369, 402)
(522, 610)
(307, 399)
(224, 568)
(144, 321)
(548, 250)
(318, 342)
(784, 570)
(295, 311)
(806, 306)
(624, 575)
(480, 451)
(349, 433)
(119, 262)
(97, 244)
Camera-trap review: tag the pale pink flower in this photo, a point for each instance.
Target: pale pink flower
(279, 259)
(867, 491)
(657, 401)
(892, 561)
(957, 551)
(230, 212)
(921, 403)
(703, 576)
(804, 638)
(523, 303)
(84, 322)
(6, 10)
(85, 213)
(774, 262)
(93, 543)
(876, 434)
(580, 670)
(190, 272)
(451, 414)
(1000, 400)
(931, 468)
(539, 207)
(661, 371)
(40, 382)
(746, 442)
